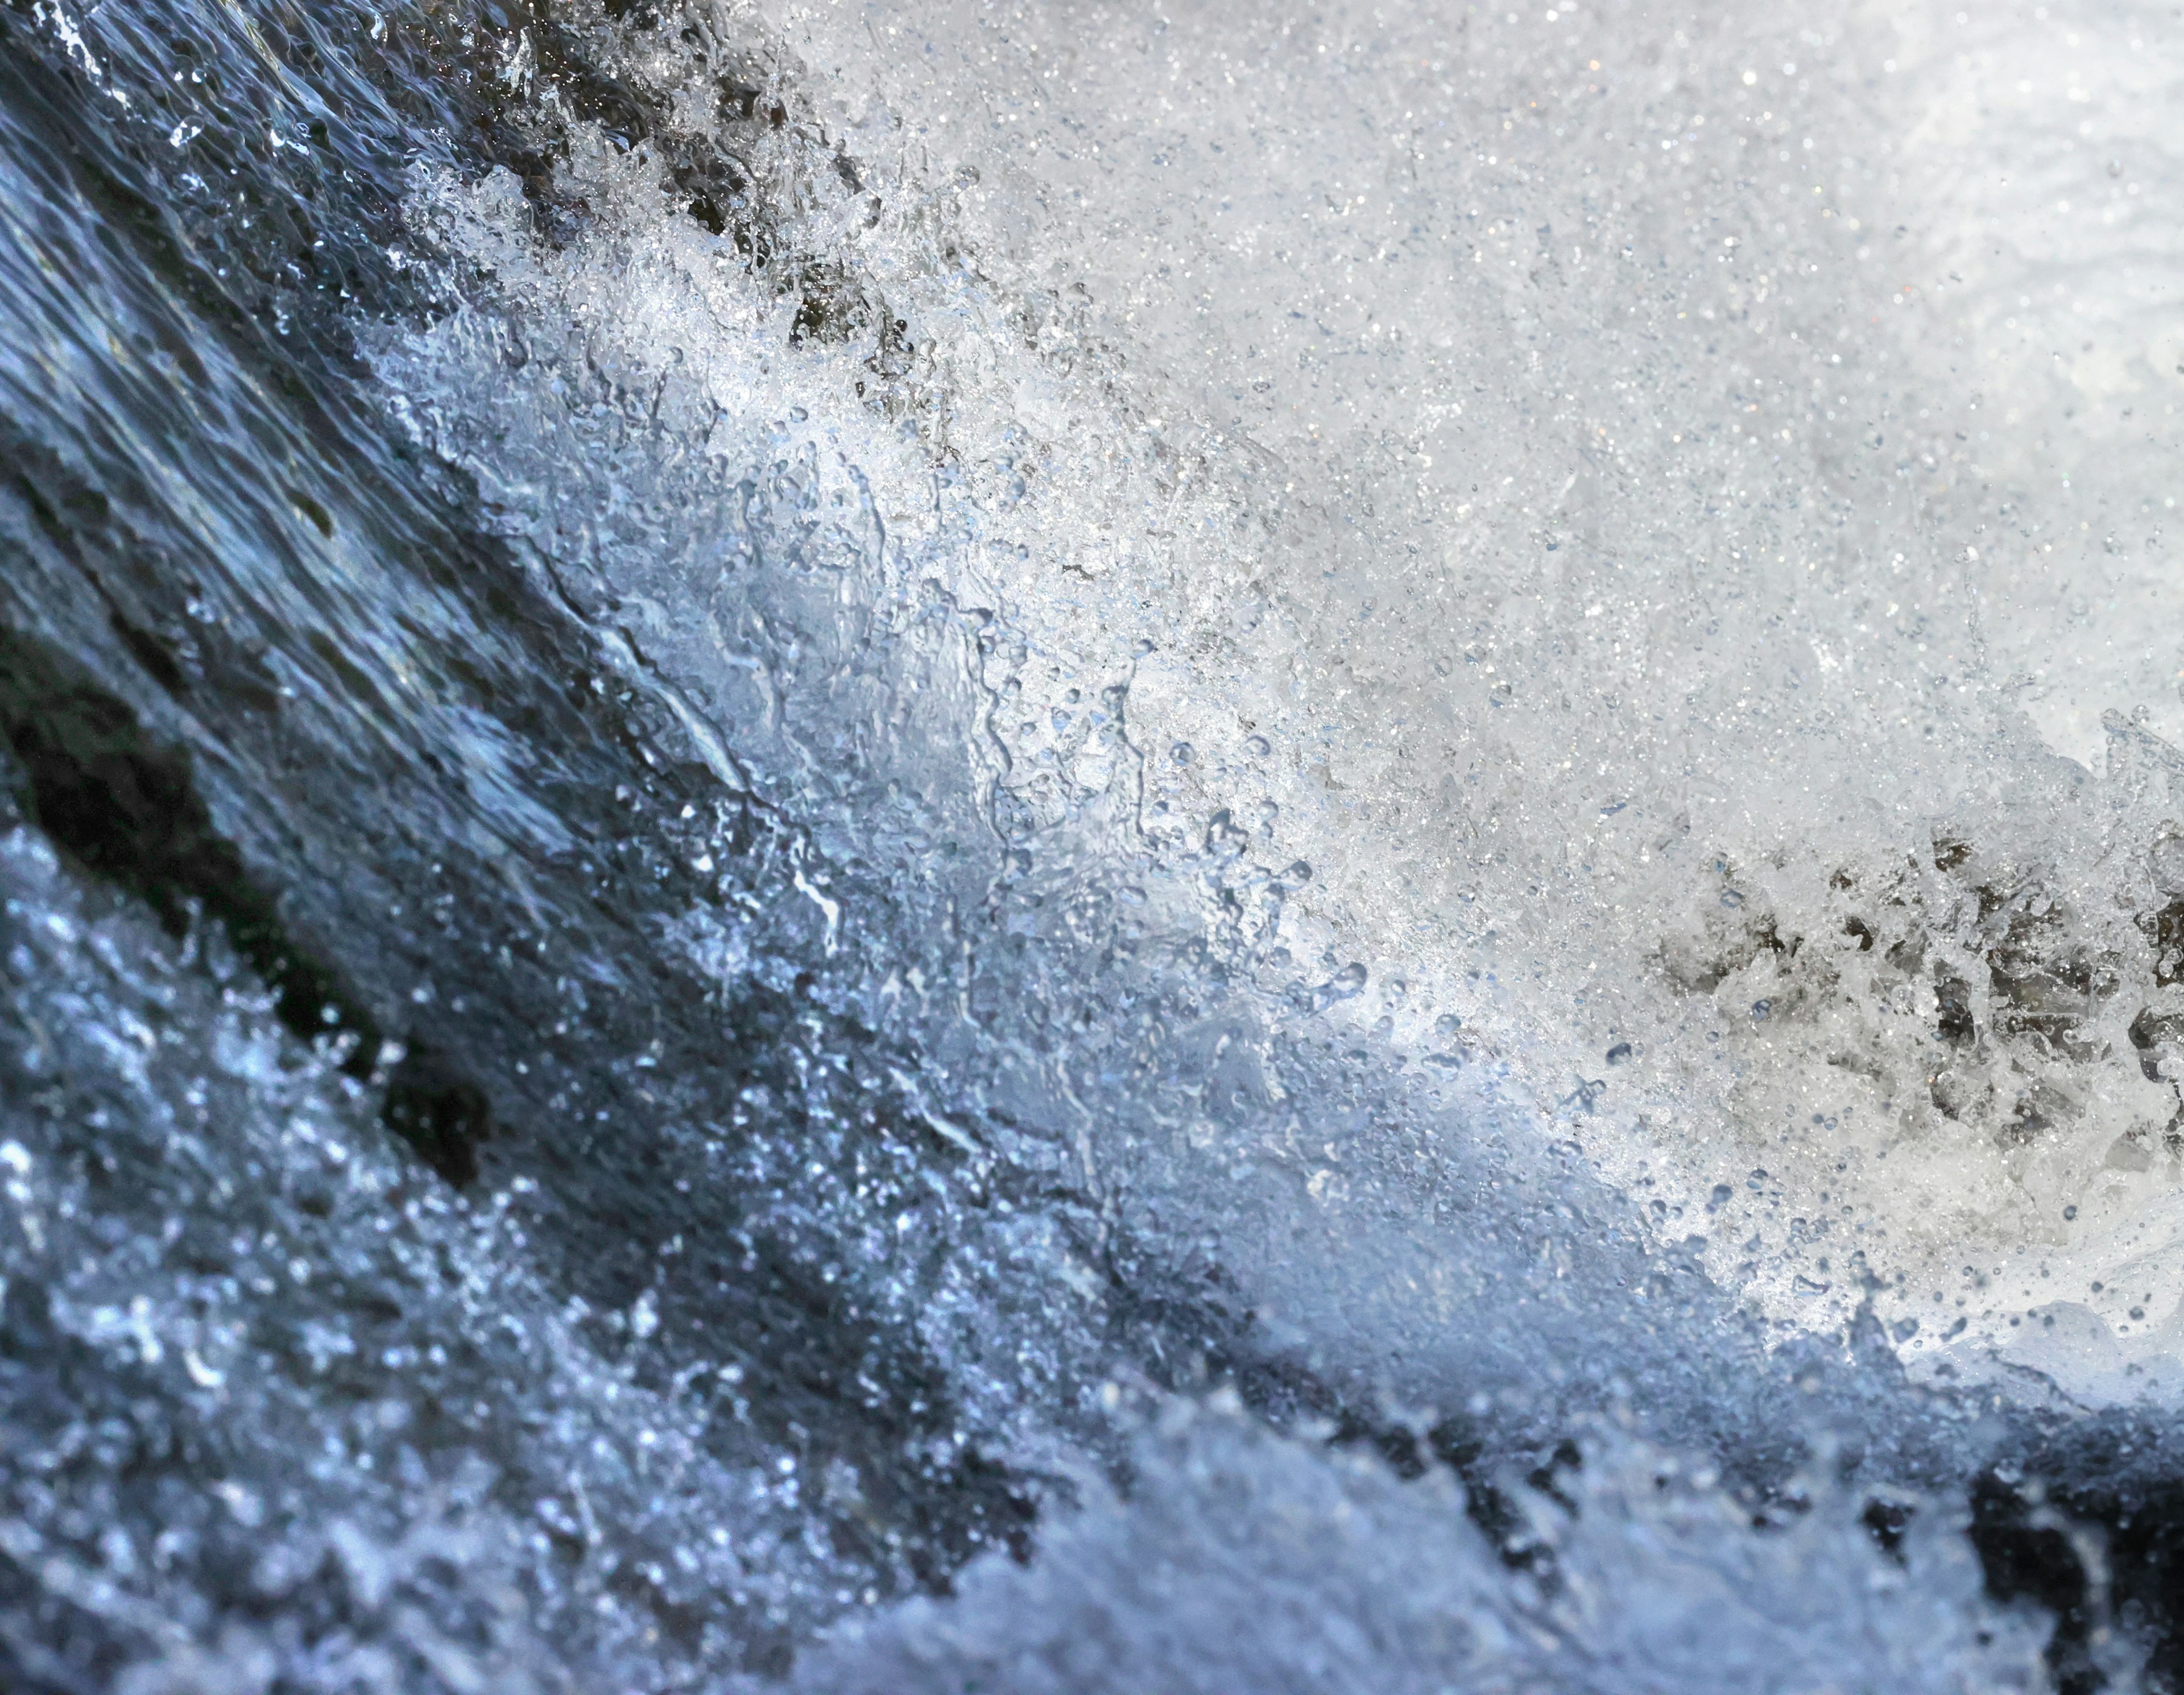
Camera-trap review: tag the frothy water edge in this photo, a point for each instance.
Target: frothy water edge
(872, 869)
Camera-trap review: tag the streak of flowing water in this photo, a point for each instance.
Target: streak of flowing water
(1077, 847)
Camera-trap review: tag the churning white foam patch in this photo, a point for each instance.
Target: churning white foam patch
(1652, 513)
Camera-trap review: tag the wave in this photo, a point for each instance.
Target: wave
(892, 850)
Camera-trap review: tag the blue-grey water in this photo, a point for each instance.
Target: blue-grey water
(1089, 849)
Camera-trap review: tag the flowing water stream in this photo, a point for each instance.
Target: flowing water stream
(1079, 847)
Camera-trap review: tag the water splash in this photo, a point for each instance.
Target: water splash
(987, 726)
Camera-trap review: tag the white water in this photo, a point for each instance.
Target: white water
(1610, 495)
(1408, 674)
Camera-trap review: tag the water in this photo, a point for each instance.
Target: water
(924, 849)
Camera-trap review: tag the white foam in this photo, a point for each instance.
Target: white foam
(1596, 459)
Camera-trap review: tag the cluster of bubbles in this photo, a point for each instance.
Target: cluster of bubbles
(930, 849)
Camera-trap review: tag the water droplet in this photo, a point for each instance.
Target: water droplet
(2165, 860)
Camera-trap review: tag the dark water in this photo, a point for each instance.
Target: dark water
(514, 1183)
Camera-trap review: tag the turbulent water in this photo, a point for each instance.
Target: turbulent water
(1091, 848)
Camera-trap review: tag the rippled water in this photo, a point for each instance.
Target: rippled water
(1086, 848)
